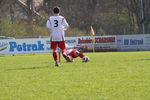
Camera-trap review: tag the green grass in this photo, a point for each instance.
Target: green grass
(108, 76)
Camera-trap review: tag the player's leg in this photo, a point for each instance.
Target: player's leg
(71, 56)
(81, 55)
(84, 57)
(73, 53)
(62, 46)
(55, 54)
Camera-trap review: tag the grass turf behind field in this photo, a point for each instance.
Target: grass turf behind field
(108, 76)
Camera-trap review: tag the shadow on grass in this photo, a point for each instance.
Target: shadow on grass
(29, 68)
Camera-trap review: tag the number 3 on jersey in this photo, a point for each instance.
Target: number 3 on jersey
(55, 23)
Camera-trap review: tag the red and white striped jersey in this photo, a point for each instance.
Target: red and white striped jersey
(57, 25)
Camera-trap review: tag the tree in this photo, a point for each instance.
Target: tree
(134, 11)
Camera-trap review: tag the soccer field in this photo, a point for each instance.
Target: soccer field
(108, 76)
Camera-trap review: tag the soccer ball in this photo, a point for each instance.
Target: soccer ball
(85, 59)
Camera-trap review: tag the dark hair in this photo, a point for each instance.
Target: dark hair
(56, 10)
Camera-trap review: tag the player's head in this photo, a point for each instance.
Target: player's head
(56, 10)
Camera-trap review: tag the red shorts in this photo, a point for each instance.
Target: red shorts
(74, 54)
(60, 44)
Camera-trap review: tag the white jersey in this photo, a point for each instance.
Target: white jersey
(57, 25)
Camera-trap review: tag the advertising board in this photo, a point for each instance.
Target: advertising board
(26, 46)
(100, 43)
(133, 42)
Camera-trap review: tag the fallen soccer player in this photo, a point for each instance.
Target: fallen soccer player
(73, 53)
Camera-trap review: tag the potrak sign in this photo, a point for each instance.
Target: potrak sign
(26, 47)
(23, 46)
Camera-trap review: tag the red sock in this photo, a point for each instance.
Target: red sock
(81, 55)
(64, 51)
(55, 56)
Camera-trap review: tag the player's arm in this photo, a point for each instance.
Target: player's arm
(49, 24)
(65, 24)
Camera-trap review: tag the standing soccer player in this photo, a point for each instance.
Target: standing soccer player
(57, 25)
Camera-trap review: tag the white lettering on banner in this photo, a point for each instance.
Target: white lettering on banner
(87, 40)
(101, 43)
(97, 40)
(104, 39)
